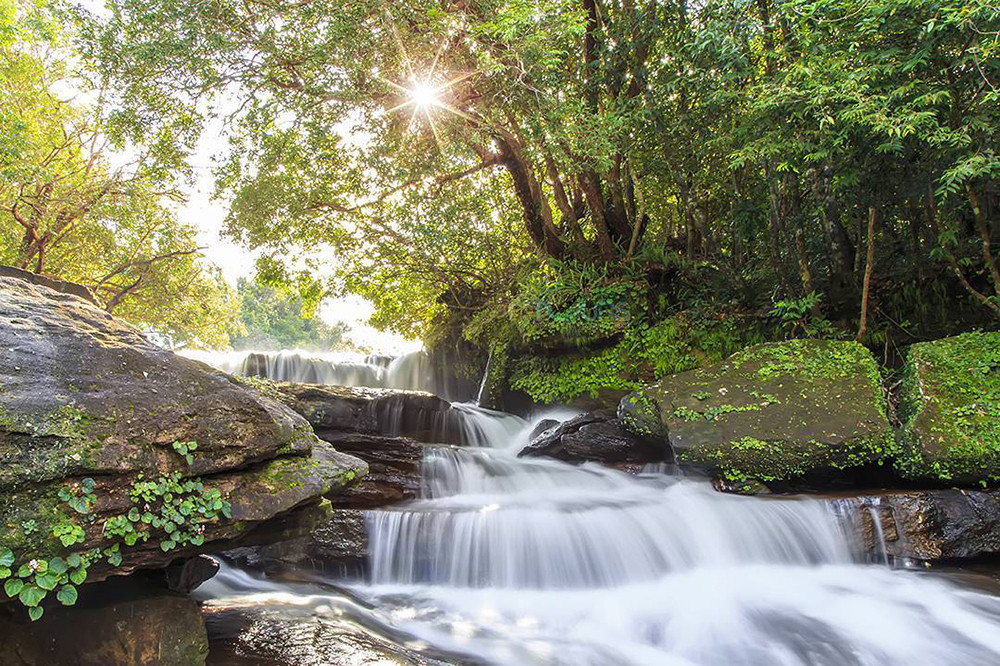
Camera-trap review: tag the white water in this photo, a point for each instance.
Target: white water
(411, 372)
(522, 562)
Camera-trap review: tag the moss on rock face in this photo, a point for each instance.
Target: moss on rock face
(950, 408)
(776, 411)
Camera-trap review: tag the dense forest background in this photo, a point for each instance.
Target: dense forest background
(591, 193)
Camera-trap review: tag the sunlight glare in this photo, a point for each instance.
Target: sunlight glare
(423, 95)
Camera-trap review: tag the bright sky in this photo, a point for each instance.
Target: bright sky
(236, 261)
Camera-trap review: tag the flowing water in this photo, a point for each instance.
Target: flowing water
(521, 562)
(411, 372)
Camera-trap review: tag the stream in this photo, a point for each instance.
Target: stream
(519, 562)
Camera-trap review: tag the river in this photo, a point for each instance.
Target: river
(519, 562)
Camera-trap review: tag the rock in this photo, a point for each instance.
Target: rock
(96, 426)
(393, 469)
(336, 409)
(927, 524)
(152, 630)
(186, 575)
(543, 425)
(774, 412)
(950, 409)
(597, 437)
(339, 545)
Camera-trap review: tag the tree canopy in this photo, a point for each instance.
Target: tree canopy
(831, 158)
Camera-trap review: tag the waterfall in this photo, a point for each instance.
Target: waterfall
(511, 561)
(515, 561)
(411, 371)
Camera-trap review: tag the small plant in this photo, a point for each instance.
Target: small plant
(80, 498)
(800, 317)
(185, 449)
(34, 579)
(29, 527)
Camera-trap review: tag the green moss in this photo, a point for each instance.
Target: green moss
(950, 409)
(749, 458)
(644, 354)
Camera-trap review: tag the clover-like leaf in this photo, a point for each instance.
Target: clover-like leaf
(67, 595)
(47, 581)
(58, 566)
(31, 596)
(13, 587)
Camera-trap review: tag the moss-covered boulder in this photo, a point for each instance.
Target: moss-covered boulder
(950, 409)
(773, 412)
(116, 454)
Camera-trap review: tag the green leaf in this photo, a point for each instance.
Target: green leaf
(4, 573)
(47, 581)
(31, 596)
(35, 613)
(88, 485)
(74, 560)
(167, 545)
(6, 557)
(13, 586)
(78, 576)
(67, 595)
(58, 566)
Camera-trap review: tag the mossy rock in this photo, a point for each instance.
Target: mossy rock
(950, 408)
(773, 412)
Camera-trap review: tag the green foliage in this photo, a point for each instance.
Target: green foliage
(578, 302)
(682, 342)
(169, 505)
(800, 317)
(274, 314)
(71, 209)
(185, 449)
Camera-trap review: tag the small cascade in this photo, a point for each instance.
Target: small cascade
(412, 372)
(881, 550)
(480, 394)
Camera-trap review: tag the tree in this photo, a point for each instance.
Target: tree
(71, 206)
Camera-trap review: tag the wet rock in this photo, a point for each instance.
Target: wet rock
(338, 545)
(393, 469)
(186, 575)
(597, 437)
(928, 524)
(90, 411)
(158, 630)
(774, 412)
(543, 425)
(337, 409)
(950, 409)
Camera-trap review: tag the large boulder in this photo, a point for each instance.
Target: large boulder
(772, 413)
(928, 525)
(133, 626)
(950, 409)
(338, 409)
(597, 437)
(116, 454)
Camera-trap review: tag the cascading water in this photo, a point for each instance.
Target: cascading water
(521, 561)
(411, 372)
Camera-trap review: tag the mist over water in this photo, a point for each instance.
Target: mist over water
(524, 561)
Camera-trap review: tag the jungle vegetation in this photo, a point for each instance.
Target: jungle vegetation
(599, 189)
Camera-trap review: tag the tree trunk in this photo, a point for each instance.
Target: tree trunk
(866, 285)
